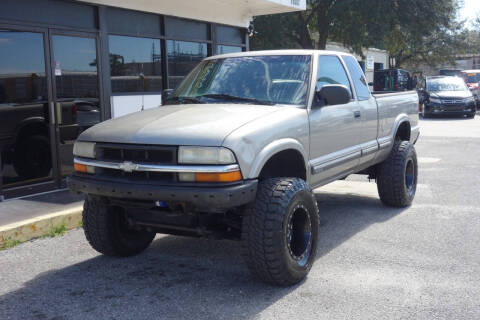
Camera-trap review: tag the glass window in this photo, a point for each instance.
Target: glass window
(183, 56)
(221, 49)
(331, 71)
(135, 64)
(446, 84)
(22, 68)
(359, 81)
(256, 79)
(75, 67)
(24, 139)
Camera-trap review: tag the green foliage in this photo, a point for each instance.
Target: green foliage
(9, 243)
(412, 31)
(56, 231)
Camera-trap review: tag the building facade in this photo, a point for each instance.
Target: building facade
(66, 65)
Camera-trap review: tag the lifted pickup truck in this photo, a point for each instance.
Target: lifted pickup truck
(235, 152)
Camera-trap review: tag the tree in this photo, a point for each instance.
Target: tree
(410, 30)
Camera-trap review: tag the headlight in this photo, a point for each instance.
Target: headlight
(84, 149)
(469, 99)
(435, 100)
(205, 155)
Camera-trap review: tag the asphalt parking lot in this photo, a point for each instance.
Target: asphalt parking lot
(373, 262)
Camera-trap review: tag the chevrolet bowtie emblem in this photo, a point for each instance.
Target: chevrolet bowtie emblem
(128, 166)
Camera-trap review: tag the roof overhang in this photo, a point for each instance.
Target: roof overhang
(231, 12)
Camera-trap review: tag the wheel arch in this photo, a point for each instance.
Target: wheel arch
(280, 150)
(402, 128)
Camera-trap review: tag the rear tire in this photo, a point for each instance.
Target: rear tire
(280, 231)
(471, 115)
(107, 232)
(397, 176)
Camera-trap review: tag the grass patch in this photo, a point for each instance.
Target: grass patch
(9, 243)
(56, 231)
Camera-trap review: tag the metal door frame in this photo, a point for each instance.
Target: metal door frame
(59, 180)
(50, 184)
(56, 181)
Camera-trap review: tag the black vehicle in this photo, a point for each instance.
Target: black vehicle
(446, 95)
(393, 80)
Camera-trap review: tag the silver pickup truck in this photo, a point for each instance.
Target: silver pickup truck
(235, 152)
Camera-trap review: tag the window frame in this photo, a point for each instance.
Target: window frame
(347, 73)
(353, 82)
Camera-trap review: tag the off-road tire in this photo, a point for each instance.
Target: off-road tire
(32, 157)
(266, 225)
(393, 183)
(107, 232)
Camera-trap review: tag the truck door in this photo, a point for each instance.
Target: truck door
(334, 130)
(368, 110)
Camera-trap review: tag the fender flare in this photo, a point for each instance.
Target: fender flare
(399, 120)
(273, 148)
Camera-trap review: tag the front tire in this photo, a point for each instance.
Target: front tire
(397, 176)
(107, 232)
(280, 231)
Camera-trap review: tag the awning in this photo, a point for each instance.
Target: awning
(231, 12)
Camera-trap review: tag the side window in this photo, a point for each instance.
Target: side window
(358, 78)
(331, 71)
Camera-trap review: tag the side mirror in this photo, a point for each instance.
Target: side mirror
(333, 94)
(165, 94)
(370, 84)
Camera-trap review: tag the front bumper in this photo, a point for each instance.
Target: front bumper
(436, 108)
(203, 198)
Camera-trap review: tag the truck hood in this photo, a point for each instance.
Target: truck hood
(191, 124)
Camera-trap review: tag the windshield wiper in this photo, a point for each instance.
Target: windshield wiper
(224, 96)
(183, 99)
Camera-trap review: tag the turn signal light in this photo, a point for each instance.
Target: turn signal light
(211, 177)
(83, 168)
(218, 177)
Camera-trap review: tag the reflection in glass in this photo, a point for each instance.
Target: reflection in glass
(221, 49)
(273, 79)
(76, 102)
(183, 56)
(135, 64)
(24, 138)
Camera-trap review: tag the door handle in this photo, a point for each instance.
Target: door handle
(357, 114)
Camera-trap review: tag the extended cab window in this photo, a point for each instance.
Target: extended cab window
(331, 71)
(359, 81)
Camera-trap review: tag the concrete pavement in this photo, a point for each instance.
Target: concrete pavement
(373, 262)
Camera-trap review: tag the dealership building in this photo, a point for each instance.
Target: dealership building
(66, 65)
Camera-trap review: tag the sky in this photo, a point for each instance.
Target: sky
(470, 10)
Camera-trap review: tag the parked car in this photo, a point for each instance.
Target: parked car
(472, 77)
(235, 153)
(392, 80)
(446, 95)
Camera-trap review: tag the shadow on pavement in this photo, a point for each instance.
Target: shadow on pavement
(178, 277)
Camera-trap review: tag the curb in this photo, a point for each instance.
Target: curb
(39, 226)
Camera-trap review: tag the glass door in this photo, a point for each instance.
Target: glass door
(25, 133)
(76, 102)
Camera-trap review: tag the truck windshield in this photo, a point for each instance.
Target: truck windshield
(450, 84)
(269, 80)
